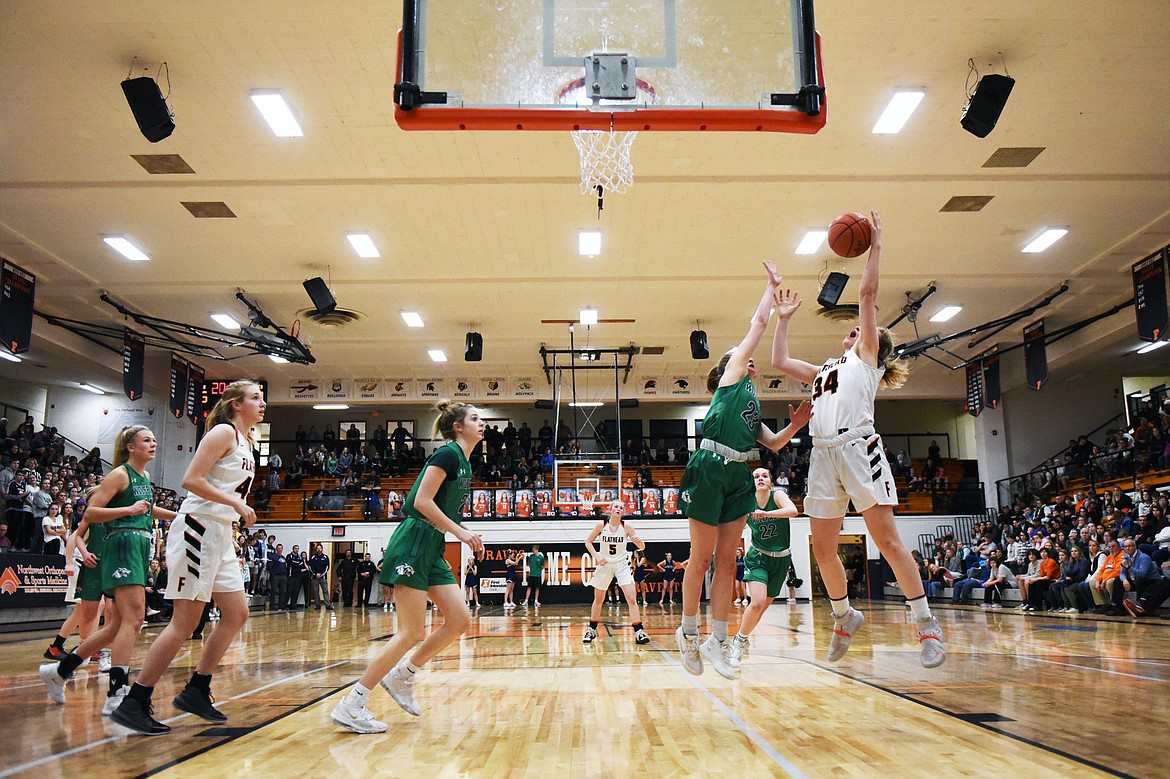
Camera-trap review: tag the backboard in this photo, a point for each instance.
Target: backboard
(632, 65)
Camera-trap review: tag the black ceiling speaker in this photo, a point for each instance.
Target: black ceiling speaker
(320, 295)
(154, 117)
(473, 352)
(831, 291)
(987, 101)
(545, 404)
(699, 350)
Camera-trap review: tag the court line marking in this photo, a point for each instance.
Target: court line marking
(110, 739)
(787, 765)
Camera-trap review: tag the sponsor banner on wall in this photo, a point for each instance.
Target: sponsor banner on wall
(682, 386)
(650, 386)
(772, 385)
(461, 389)
(337, 389)
(430, 388)
(367, 389)
(523, 387)
(400, 389)
(492, 388)
(28, 580)
(304, 389)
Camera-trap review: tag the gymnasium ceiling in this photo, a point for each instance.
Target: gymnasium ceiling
(478, 229)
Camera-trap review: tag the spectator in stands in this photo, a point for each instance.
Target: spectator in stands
(37, 499)
(1039, 585)
(53, 531)
(329, 439)
(1074, 569)
(345, 460)
(5, 541)
(353, 438)
(396, 511)
(261, 497)
(1108, 576)
(1024, 580)
(976, 575)
(1000, 578)
(1138, 572)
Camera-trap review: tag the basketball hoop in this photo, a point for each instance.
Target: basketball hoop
(587, 505)
(605, 160)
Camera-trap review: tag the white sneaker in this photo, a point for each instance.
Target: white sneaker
(54, 684)
(104, 662)
(716, 654)
(688, 652)
(115, 700)
(735, 652)
(843, 629)
(996, 606)
(792, 600)
(359, 720)
(399, 683)
(590, 636)
(930, 637)
(536, 604)
(640, 637)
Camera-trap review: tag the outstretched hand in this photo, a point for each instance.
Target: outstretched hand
(801, 414)
(774, 278)
(875, 239)
(787, 302)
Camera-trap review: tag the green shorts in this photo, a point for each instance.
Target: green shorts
(414, 557)
(89, 582)
(715, 490)
(126, 559)
(770, 571)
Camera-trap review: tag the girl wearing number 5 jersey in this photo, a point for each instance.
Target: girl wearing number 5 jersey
(201, 559)
(612, 564)
(848, 459)
(716, 488)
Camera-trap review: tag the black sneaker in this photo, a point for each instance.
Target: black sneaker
(132, 714)
(199, 703)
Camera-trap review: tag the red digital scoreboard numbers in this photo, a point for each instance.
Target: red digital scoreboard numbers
(213, 390)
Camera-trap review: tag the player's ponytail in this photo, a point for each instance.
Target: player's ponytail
(449, 414)
(896, 369)
(716, 374)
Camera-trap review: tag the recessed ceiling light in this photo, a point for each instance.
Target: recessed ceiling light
(226, 321)
(363, 244)
(811, 242)
(91, 388)
(898, 110)
(277, 113)
(589, 242)
(437, 355)
(1151, 347)
(589, 316)
(122, 246)
(945, 313)
(1047, 237)
(277, 358)
(331, 406)
(412, 319)
(9, 356)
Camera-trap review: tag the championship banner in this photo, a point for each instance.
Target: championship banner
(568, 568)
(178, 394)
(650, 386)
(461, 389)
(30, 580)
(430, 389)
(1149, 296)
(681, 386)
(304, 389)
(19, 289)
(975, 388)
(195, 376)
(337, 389)
(400, 389)
(991, 391)
(133, 362)
(524, 387)
(492, 388)
(367, 389)
(1035, 355)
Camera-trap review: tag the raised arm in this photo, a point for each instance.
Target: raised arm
(867, 338)
(798, 417)
(787, 303)
(737, 366)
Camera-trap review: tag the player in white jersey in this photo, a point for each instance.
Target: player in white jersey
(201, 559)
(612, 558)
(848, 460)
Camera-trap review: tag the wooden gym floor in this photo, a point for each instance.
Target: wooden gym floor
(521, 696)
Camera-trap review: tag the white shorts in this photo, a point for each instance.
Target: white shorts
(201, 559)
(855, 470)
(606, 572)
(71, 585)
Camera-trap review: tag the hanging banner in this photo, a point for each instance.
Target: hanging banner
(524, 387)
(492, 389)
(367, 389)
(461, 389)
(195, 376)
(430, 389)
(1035, 355)
(16, 307)
(337, 389)
(304, 389)
(990, 362)
(133, 361)
(650, 386)
(975, 388)
(681, 386)
(1149, 296)
(400, 389)
(178, 399)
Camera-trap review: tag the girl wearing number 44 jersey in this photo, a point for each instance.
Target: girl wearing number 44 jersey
(848, 459)
(201, 559)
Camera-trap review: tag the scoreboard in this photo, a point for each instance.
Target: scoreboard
(213, 390)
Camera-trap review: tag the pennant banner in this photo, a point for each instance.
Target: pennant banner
(1035, 355)
(195, 376)
(975, 388)
(178, 399)
(990, 362)
(16, 307)
(1149, 296)
(133, 362)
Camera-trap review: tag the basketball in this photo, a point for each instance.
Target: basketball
(849, 235)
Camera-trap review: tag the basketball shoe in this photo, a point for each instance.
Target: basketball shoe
(356, 718)
(688, 652)
(716, 652)
(399, 683)
(735, 651)
(934, 653)
(590, 636)
(843, 629)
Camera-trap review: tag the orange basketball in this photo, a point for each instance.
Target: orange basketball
(849, 235)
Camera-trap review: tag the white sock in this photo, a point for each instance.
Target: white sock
(919, 608)
(357, 696)
(719, 630)
(741, 638)
(690, 625)
(411, 667)
(840, 607)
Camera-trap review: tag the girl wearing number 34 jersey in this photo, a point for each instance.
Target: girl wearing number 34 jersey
(848, 460)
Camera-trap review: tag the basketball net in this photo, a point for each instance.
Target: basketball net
(605, 160)
(587, 504)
